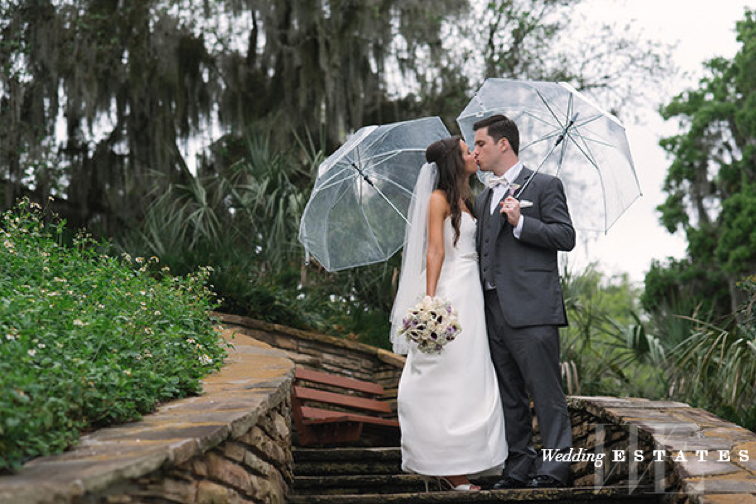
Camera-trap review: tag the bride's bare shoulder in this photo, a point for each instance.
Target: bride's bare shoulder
(438, 203)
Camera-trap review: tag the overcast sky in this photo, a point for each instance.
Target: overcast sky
(702, 30)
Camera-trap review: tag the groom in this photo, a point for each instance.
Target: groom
(517, 241)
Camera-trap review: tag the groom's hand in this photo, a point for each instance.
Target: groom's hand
(511, 207)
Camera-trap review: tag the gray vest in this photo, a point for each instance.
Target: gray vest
(490, 229)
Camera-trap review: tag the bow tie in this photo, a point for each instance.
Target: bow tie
(494, 181)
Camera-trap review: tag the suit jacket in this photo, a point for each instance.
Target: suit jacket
(526, 270)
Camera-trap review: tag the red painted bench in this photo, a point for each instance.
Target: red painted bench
(345, 415)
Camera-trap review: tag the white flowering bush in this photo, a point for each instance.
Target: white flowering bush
(87, 339)
(431, 324)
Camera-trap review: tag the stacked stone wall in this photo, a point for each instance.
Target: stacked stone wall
(327, 353)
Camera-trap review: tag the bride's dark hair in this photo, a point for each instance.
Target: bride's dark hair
(447, 155)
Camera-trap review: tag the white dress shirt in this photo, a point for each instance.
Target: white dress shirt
(501, 190)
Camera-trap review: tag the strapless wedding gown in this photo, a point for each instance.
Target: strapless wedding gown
(449, 406)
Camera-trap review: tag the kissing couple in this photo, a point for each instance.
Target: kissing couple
(465, 411)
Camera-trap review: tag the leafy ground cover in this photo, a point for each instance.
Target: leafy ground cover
(87, 339)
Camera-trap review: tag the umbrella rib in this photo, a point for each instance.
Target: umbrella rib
(589, 120)
(548, 107)
(589, 156)
(392, 182)
(586, 152)
(335, 182)
(383, 157)
(339, 195)
(541, 119)
(380, 193)
(544, 138)
(598, 140)
(375, 240)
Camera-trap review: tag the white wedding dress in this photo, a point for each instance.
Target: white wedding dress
(450, 410)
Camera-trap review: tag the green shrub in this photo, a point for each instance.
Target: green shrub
(88, 340)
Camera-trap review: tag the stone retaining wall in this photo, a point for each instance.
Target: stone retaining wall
(684, 450)
(230, 445)
(326, 353)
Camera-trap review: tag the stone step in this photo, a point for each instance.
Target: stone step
(346, 461)
(358, 484)
(584, 495)
(390, 454)
(346, 467)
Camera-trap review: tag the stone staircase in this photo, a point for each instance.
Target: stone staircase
(373, 475)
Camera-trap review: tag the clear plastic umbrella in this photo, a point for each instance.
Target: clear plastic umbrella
(563, 133)
(356, 214)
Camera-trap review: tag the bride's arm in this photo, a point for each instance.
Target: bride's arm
(435, 255)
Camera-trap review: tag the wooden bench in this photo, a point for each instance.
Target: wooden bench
(345, 413)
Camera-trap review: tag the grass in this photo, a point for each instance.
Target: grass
(87, 339)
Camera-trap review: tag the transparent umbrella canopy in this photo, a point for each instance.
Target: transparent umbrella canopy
(356, 214)
(563, 133)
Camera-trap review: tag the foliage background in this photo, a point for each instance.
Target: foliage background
(86, 339)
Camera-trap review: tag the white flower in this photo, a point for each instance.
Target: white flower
(431, 324)
(157, 312)
(190, 341)
(41, 345)
(78, 323)
(32, 352)
(10, 337)
(205, 359)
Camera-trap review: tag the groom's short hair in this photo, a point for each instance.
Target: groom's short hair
(501, 126)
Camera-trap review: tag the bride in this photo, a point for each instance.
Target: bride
(450, 410)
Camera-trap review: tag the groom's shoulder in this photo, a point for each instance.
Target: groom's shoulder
(541, 178)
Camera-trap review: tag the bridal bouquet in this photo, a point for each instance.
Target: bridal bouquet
(431, 323)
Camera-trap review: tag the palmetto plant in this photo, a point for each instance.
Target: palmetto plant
(268, 191)
(607, 349)
(716, 366)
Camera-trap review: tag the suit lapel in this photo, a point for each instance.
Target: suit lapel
(482, 203)
(522, 178)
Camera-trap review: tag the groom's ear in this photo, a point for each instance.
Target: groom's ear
(504, 144)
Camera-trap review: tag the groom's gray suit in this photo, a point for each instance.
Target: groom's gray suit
(523, 312)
